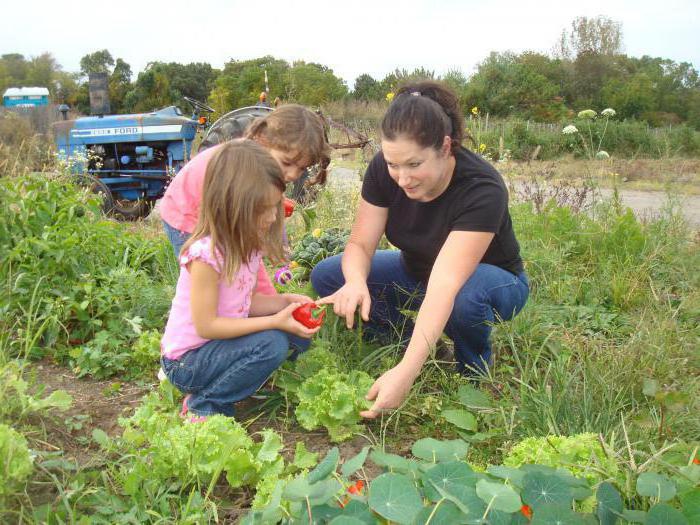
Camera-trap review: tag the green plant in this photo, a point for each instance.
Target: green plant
(15, 461)
(333, 400)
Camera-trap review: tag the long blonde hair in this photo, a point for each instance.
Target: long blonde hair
(237, 186)
(296, 130)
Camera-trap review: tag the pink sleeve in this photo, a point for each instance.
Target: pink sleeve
(264, 285)
(200, 250)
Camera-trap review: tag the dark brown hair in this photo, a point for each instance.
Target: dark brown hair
(298, 131)
(425, 112)
(237, 186)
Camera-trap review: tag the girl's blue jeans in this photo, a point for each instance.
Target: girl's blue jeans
(490, 295)
(223, 371)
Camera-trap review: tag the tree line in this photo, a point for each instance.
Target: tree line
(586, 69)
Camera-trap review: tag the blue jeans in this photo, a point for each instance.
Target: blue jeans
(176, 237)
(223, 371)
(490, 295)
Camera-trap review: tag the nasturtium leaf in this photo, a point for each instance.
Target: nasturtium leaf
(581, 493)
(690, 505)
(395, 463)
(395, 498)
(514, 475)
(464, 496)
(444, 475)
(324, 491)
(436, 451)
(355, 463)
(472, 397)
(609, 504)
(360, 510)
(461, 419)
(322, 513)
(552, 514)
(498, 496)
(658, 486)
(298, 489)
(664, 514)
(346, 520)
(634, 516)
(442, 513)
(541, 489)
(326, 467)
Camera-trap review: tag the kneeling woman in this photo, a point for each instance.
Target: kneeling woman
(458, 264)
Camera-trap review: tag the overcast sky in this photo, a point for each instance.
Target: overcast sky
(351, 37)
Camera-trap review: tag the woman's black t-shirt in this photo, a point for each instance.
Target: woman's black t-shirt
(475, 200)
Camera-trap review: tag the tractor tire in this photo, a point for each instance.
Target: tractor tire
(99, 188)
(131, 210)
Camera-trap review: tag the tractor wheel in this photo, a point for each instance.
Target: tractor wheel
(131, 210)
(99, 188)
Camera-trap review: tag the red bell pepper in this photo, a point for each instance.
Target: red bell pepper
(310, 315)
(288, 207)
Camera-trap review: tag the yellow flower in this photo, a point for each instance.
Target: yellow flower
(482, 148)
(389, 96)
(475, 110)
(316, 233)
(293, 265)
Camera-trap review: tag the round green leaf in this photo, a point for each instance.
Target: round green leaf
(445, 475)
(471, 397)
(541, 489)
(514, 475)
(498, 496)
(609, 504)
(690, 504)
(443, 513)
(354, 464)
(461, 419)
(436, 451)
(555, 515)
(324, 469)
(634, 516)
(395, 498)
(664, 514)
(464, 496)
(346, 520)
(656, 486)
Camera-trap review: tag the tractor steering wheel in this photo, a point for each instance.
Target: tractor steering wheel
(196, 104)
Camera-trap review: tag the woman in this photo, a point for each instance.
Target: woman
(458, 263)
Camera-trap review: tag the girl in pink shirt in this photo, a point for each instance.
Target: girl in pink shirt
(295, 138)
(223, 340)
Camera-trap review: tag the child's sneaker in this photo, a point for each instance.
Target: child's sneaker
(161, 375)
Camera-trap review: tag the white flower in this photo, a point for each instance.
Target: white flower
(587, 113)
(608, 112)
(569, 130)
(602, 155)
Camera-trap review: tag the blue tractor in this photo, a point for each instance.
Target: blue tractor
(129, 159)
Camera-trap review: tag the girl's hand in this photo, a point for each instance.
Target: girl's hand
(346, 300)
(389, 390)
(284, 321)
(296, 298)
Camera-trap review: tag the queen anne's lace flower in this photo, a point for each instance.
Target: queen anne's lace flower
(569, 130)
(587, 113)
(602, 155)
(608, 112)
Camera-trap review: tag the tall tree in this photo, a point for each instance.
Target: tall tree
(599, 35)
(97, 62)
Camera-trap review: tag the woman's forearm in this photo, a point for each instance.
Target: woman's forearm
(355, 263)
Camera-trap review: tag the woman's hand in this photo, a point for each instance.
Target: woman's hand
(284, 321)
(346, 300)
(390, 390)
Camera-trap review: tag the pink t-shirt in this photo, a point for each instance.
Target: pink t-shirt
(234, 299)
(179, 207)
